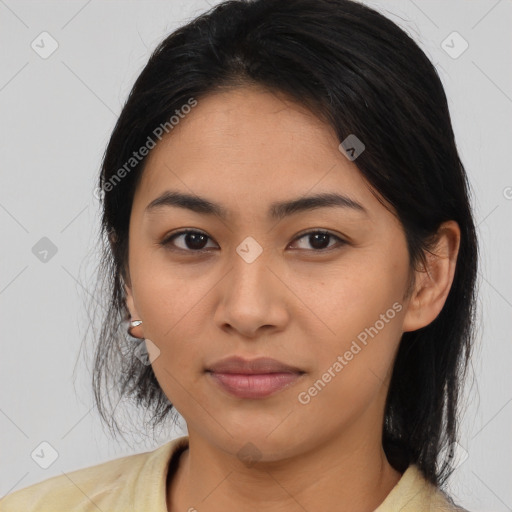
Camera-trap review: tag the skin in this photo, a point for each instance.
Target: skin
(244, 149)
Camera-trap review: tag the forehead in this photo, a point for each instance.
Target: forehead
(250, 123)
(248, 146)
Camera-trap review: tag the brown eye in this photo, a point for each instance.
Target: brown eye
(319, 240)
(193, 241)
(196, 241)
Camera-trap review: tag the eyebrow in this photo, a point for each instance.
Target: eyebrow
(277, 210)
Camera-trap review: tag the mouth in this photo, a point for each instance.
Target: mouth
(254, 385)
(257, 378)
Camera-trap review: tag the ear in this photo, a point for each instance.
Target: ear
(134, 315)
(434, 280)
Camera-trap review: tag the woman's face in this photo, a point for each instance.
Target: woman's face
(265, 285)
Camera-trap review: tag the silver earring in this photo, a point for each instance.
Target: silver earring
(134, 323)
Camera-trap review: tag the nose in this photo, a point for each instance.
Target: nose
(253, 298)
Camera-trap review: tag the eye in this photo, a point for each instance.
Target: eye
(194, 241)
(319, 240)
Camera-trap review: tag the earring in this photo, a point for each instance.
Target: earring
(134, 323)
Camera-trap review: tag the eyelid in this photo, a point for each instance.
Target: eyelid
(341, 241)
(166, 241)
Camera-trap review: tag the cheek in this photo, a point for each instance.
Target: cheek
(352, 372)
(171, 301)
(164, 292)
(173, 311)
(356, 313)
(342, 300)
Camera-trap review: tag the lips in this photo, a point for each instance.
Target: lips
(262, 365)
(256, 378)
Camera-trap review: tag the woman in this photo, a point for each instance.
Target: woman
(289, 231)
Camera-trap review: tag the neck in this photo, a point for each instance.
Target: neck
(341, 473)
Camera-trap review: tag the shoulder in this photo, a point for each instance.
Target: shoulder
(441, 502)
(414, 493)
(73, 490)
(106, 486)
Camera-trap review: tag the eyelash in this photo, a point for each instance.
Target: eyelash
(166, 242)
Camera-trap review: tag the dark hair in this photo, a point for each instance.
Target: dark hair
(362, 74)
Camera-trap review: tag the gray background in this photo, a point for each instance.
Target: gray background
(56, 117)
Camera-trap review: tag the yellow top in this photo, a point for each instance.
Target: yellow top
(137, 483)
